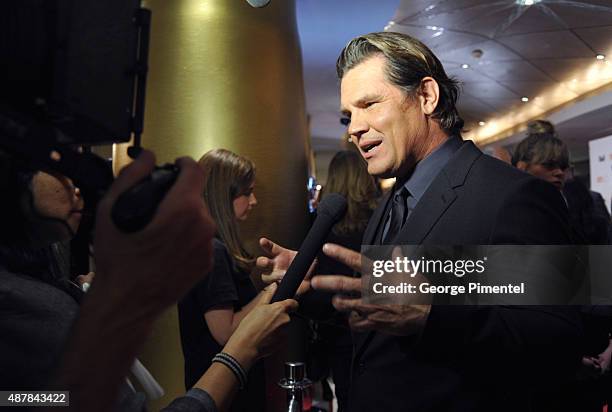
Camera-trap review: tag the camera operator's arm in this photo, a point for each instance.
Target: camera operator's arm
(256, 336)
(138, 276)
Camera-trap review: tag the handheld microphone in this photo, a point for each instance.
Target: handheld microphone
(331, 209)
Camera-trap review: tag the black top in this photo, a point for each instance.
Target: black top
(225, 284)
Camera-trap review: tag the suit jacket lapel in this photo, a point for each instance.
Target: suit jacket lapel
(438, 196)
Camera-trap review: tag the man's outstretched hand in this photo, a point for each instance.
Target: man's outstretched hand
(391, 319)
(275, 263)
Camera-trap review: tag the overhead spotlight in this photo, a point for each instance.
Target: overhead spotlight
(481, 123)
(524, 99)
(600, 57)
(527, 2)
(465, 66)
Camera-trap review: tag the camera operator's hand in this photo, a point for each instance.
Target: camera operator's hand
(260, 332)
(157, 265)
(138, 276)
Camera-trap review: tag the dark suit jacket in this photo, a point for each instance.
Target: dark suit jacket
(472, 358)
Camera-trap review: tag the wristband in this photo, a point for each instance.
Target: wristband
(229, 361)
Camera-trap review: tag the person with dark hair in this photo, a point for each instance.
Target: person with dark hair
(543, 155)
(348, 175)
(407, 63)
(39, 209)
(401, 113)
(213, 309)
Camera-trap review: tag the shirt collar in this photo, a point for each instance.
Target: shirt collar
(428, 168)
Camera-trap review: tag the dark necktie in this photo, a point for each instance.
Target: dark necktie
(399, 213)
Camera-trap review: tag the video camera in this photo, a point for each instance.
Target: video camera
(73, 75)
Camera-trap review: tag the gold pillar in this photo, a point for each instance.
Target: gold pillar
(224, 74)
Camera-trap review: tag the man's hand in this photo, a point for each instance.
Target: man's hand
(589, 368)
(277, 261)
(604, 358)
(392, 319)
(155, 267)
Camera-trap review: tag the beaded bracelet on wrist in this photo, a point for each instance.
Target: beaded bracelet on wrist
(229, 361)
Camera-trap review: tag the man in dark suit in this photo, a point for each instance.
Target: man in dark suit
(401, 106)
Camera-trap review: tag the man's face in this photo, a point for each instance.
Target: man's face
(389, 127)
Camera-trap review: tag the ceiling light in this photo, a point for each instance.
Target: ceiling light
(527, 2)
(481, 123)
(389, 25)
(465, 66)
(477, 53)
(524, 99)
(600, 57)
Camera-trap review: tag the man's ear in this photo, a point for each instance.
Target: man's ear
(521, 165)
(429, 94)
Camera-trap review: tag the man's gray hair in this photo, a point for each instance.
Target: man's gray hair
(408, 62)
